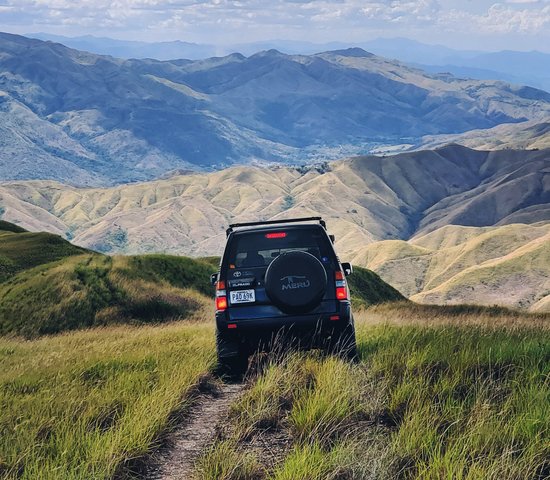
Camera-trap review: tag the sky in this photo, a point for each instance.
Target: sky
(461, 24)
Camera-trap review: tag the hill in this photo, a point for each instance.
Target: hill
(531, 135)
(88, 119)
(364, 199)
(505, 265)
(20, 250)
(48, 286)
(526, 68)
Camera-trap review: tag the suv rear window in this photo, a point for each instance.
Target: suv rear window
(258, 249)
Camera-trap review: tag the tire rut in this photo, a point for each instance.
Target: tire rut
(198, 432)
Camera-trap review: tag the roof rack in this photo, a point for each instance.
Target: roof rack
(275, 222)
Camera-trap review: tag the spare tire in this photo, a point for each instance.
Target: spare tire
(296, 282)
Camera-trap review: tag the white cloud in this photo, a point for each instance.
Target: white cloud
(501, 19)
(243, 20)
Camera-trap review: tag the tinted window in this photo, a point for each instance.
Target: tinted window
(256, 249)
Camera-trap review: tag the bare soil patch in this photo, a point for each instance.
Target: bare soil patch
(196, 433)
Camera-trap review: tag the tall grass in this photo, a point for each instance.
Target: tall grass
(464, 402)
(92, 290)
(82, 405)
(432, 399)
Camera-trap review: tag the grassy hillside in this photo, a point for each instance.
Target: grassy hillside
(528, 135)
(505, 265)
(20, 250)
(47, 285)
(363, 199)
(91, 290)
(367, 288)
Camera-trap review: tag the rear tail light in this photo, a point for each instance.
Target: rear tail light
(275, 235)
(221, 296)
(340, 283)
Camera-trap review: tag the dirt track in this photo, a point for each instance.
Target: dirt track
(195, 434)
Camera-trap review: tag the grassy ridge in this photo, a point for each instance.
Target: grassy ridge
(20, 250)
(367, 288)
(429, 401)
(82, 404)
(48, 285)
(92, 289)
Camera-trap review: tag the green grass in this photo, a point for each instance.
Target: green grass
(367, 288)
(431, 399)
(92, 289)
(24, 250)
(48, 285)
(424, 403)
(465, 402)
(82, 405)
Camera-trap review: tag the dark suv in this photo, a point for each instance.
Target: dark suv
(281, 277)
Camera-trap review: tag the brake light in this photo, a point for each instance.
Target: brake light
(221, 303)
(275, 235)
(221, 296)
(340, 283)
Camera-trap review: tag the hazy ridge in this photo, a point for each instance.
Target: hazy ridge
(87, 119)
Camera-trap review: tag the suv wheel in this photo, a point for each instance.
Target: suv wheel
(344, 344)
(232, 358)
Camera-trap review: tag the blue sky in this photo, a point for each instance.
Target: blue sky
(463, 24)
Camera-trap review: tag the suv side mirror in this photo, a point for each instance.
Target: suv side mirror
(332, 238)
(214, 278)
(348, 269)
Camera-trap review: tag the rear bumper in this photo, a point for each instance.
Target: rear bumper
(254, 330)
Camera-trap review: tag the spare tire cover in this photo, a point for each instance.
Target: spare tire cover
(296, 282)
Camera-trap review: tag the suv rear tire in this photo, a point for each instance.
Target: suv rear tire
(232, 358)
(344, 345)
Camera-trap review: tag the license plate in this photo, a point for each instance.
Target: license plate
(242, 296)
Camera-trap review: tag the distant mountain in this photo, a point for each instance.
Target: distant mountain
(526, 68)
(529, 135)
(134, 49)
(87, 119)
(531, 68)
(505, 265)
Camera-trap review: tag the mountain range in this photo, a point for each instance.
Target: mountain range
(521, 67)
(87, 119)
